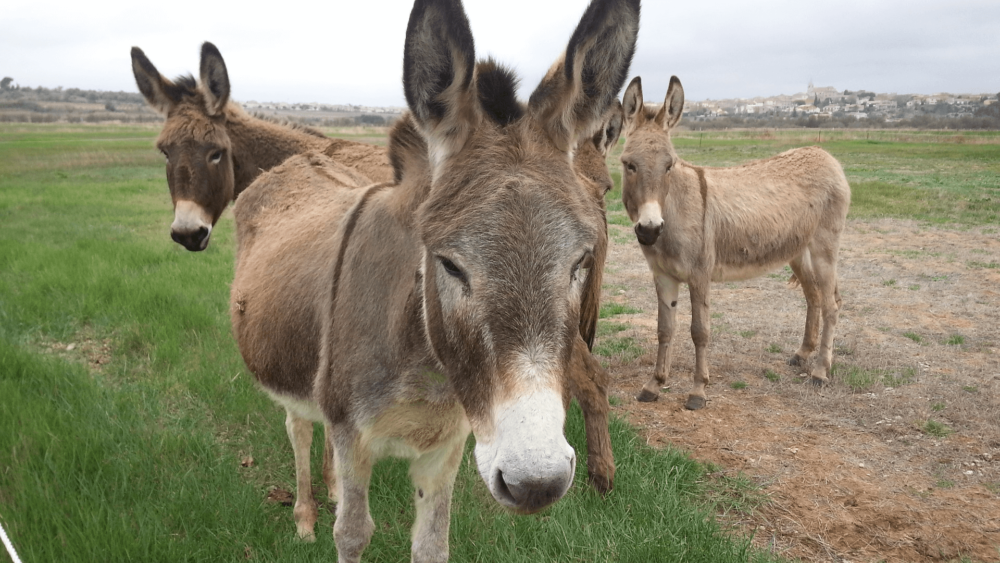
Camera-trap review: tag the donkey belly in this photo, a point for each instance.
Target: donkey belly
(288, 226)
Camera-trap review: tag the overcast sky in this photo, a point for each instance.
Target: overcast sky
(342, 51)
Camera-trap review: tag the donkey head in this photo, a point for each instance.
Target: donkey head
(590, 158)
(648, 156)
(508, 231)
(194, 142)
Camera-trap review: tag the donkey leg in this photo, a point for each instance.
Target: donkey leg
(667, 289)
(300, 432)
(433, 475)
(830, 299)
(329, 475)
(804, 271)
(700, 334)
(353, 529)
(589, 384)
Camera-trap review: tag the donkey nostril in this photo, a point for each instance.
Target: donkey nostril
(502, 488)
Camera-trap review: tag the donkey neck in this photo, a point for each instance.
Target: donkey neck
(260, 145)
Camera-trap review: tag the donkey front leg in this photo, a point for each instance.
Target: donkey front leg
(667, 289)
(433, 475)
(826, 282)
(700, 333)
(300, 432)
(354, 527)
(589, 384)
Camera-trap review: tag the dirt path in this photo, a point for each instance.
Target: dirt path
(905, 468)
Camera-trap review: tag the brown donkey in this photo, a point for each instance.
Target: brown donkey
(450, 301)
(214, 149)
(697, 225)
(588, 380)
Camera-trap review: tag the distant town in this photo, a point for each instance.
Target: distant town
(823, 106)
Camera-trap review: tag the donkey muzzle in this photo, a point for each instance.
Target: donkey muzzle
(647, 234)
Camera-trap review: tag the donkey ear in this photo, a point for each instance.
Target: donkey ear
(579, 87)
(214, 79)
(159, 92)
(673, 105)
(632, 102)
(438, 61)
(614, 120)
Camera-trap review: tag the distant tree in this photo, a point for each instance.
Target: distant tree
(5, 83)
(110, 107)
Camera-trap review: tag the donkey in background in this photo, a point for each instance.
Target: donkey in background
(698, 225)
(450, 301)
(214, 150)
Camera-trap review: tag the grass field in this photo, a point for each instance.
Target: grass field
(128, 446)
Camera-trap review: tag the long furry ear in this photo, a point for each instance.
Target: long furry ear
(160, 93)
(632, 103)
(438, 64)
(214, 79)
(579, 87)
(673, 105)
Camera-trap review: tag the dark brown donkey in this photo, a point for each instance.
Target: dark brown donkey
(450, 301)
(214, 149)
(700, 225)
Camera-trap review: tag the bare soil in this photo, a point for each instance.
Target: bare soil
(906, 468)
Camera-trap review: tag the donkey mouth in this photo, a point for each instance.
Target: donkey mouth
(195, 241)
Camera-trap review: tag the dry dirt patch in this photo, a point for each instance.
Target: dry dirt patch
(904, 465)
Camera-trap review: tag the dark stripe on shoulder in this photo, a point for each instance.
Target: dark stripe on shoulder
(352, 221)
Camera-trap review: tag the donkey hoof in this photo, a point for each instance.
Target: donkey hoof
(308, 537)
(694, 402)
(819, 381)
(601, 483)
(647, 396)
(796, 360)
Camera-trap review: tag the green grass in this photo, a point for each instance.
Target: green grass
(937, 406)
(771, 376)
(774, 349)
(955, 340)
(737, 385)
(610, 309)
(607, 328)
(860, 379)
(140, 461)
(937, 429)
(913, 336)
(625, 348)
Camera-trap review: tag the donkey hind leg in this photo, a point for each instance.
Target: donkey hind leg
(433, 475)
(589, 384)
(329, 475)
(804, 271)
(826, 283)
(300, 432)
(700, 333)
(667, 289)
(353, 528)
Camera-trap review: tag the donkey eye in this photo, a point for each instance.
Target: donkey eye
(582, 267)
(216, 157)
(165, 155)
(452, 270)
(630, 167)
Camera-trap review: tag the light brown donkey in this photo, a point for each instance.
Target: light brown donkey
(451, 301)
(697, 225)
(214, 149)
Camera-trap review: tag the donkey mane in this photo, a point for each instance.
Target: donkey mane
(497, 88)
(290, 124)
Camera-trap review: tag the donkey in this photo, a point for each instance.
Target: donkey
(450, 301)
(214, 150)
(697, 225)
(589, 381)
